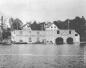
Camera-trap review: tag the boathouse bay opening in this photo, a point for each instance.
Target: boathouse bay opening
(59, 40)
(70, 40)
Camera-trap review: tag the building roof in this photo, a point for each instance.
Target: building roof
(27, 24)
(49, 24)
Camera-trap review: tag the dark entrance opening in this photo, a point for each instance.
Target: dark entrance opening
(70, 40)
(59, 40)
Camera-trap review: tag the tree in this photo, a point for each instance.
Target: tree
(6, 33)
(16, 24)
(35, 26)
(61, 24)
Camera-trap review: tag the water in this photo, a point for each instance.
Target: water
(43, 56)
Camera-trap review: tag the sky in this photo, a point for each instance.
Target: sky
(43, 10)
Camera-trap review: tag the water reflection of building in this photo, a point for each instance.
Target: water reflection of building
(51, 35)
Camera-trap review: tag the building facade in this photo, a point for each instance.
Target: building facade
(50, 36)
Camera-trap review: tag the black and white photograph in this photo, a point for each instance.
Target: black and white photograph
(42, 33)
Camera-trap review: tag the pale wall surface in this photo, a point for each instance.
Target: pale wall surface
(43, 35)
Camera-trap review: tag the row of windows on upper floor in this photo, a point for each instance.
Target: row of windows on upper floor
(53, 27)
(30, 40)
(58, 32)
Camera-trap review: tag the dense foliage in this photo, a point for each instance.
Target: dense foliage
(16, 24)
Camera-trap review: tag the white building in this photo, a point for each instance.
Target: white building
(68, 36)
(21, 36)
(52, 34)
(26, 36)
(51, 26)
(63, 36)
(26, 26)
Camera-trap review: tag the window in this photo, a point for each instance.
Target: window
(76, 34)
(21, 32)
(30, 40)
(58, 32)
(69, 32)
(37, 32)
(54, 26)
(21, 40)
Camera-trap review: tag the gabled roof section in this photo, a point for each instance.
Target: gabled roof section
(27, 24)
(49, 24)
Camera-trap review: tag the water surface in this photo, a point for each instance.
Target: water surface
(43, 56)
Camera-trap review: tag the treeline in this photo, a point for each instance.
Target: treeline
(78, 23)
